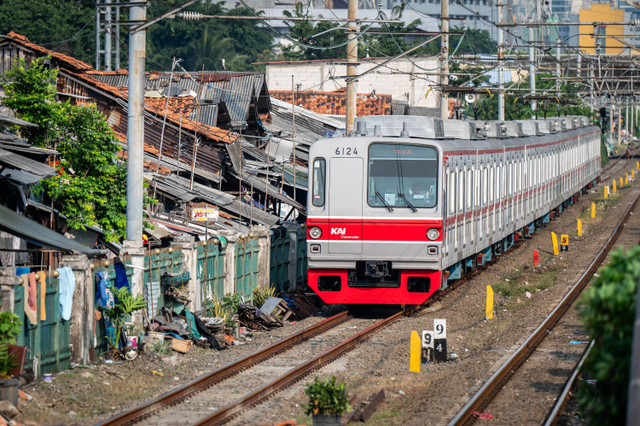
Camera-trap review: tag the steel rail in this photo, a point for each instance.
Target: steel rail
(235, 408)
(564, 396)
(490, 389)
(201, 383)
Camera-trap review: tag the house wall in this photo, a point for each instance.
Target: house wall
(404, 79)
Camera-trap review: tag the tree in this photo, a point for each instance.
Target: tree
(90, 188)
(208, 42)
(324, 40)
(517, 107)
(473, 42)
(608, 310)
(66, 26)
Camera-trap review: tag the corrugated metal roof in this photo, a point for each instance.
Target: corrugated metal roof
(20, 176)
(260, 184)
(222, 200)
(12, 121)
(236, 90)
(20, 145)
(310, 126)
(31, 230)
(20, 162)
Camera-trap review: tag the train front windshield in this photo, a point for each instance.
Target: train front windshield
(402, 176)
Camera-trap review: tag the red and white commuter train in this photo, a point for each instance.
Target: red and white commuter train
(409, 204)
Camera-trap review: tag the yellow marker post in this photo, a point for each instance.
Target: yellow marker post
(489, 307)
(614, 186)
(621, 182)
(579, 228)
(593, 209)
(415, 352)
(626, 179)
(554, 240)
(606, 192)
(638, 165)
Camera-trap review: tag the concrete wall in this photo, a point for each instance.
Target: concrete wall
(392, 79)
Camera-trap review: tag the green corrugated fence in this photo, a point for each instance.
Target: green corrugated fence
(246, 261)
(210, 270)
(279, 261)
(47, 340)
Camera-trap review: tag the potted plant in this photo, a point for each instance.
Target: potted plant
(9, 329)
(117, 314)
(327, 401)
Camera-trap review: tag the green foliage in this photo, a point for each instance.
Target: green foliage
(126, 304)
(206, 42)
(326, 397)
(161, 348)
(608, 311)
(261, 294)
(322, 36)
(9, 329)
(518, 108)
(230, 303)
(90, 188)
(30, 92)
(474, 42)
(66, 26)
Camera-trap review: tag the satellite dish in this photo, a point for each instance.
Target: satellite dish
(470, 98)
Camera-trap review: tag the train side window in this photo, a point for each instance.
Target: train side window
(461, 189)
(484, 186)
(469, 188)
(319, 182)
(452, 192)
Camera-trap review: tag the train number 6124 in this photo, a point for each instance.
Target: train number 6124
(346, 151)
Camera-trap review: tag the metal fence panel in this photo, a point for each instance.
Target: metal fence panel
(48, 340)
(246, 261)
(279, 261)
(210, 271)
(301, 258)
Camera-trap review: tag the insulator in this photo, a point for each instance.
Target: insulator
(192, 16)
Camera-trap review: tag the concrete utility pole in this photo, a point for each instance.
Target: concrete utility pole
(500, 65)
(444, 72)
(532, 58)
(558, 71)
(352, 64)
(135, 147)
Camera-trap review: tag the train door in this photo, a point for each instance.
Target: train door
(508, 169)
(468, 216)
(460, 215)
(345, 205)
(477, 211)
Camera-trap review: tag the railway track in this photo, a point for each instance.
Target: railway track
(488, 392)
(202, 383)
(186, 404)
(153, 411)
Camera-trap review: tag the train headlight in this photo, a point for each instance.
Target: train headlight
(433, 234)
(315, 232)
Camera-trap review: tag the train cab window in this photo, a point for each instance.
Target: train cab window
(319, 180)
(402, 176)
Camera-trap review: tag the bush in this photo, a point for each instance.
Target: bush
(326, 397)
(608, 311)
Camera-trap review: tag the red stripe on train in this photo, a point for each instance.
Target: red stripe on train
(374, 229)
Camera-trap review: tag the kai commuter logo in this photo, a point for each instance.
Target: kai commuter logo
(338, 231)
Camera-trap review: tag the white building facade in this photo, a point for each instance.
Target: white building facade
(407, 79)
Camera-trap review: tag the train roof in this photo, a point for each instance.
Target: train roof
(462, 136)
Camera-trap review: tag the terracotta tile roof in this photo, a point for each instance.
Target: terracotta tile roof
(185, 104)
(333, 103)
(68, 60)
(83, 71)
